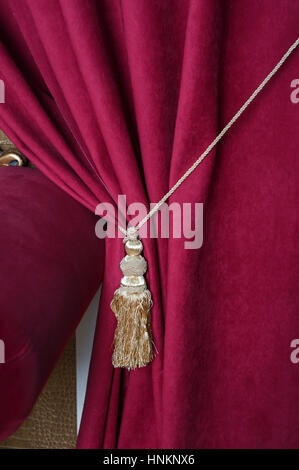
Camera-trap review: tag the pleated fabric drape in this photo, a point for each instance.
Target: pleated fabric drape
(119, 97)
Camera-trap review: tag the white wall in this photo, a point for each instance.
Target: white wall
(84, 342)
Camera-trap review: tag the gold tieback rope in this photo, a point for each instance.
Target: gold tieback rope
(216, 140)
(132, 301)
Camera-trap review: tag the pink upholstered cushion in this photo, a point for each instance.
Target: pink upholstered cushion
(51, 265)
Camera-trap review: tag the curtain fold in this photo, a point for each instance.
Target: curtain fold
(119, 97)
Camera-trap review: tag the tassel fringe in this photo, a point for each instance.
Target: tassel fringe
(133, 335)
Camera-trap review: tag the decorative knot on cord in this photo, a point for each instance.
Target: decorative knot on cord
(132, 234)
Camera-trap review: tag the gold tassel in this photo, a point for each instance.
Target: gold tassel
(131, 304)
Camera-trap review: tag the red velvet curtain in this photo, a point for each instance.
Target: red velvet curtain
(119, 97)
